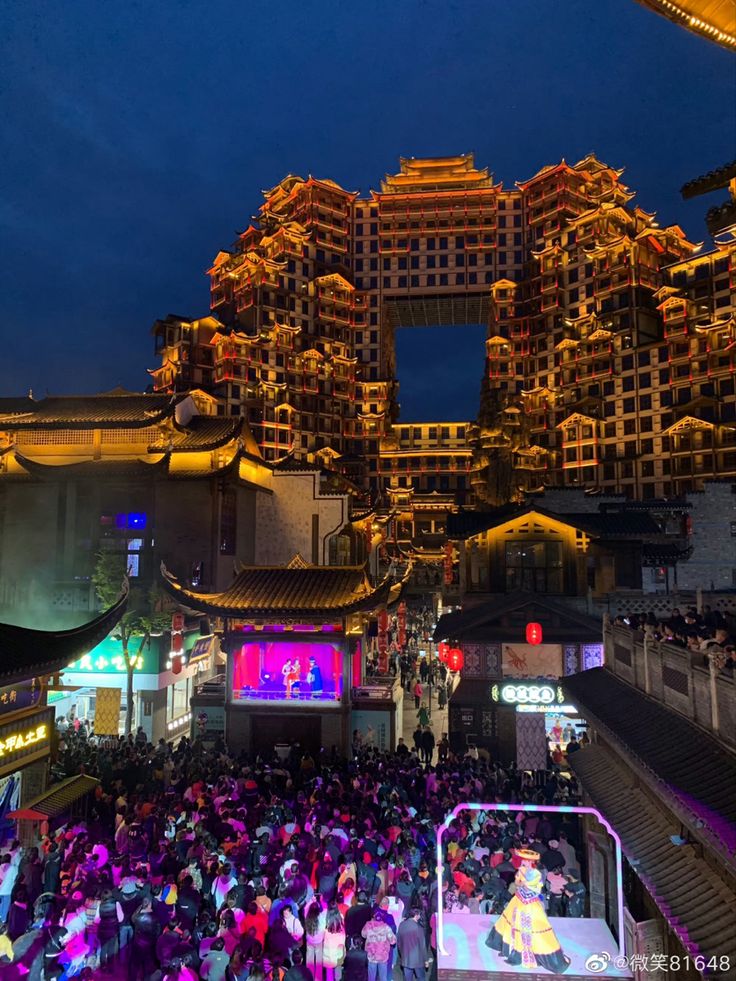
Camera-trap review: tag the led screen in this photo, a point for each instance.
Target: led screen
(288, 671)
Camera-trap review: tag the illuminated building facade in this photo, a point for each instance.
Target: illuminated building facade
(610, 348)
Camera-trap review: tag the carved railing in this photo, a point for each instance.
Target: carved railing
(679, 678)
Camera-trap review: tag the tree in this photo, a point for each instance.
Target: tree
(145, 616)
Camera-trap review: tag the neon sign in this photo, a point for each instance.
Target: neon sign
(527, 693)
(22, 740)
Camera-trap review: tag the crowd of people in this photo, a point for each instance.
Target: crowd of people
(707, 634)
(193, 862)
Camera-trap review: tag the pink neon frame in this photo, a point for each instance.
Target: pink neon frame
(528, 808)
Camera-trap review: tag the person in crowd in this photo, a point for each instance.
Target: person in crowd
(195, 861)
(333, 945)
(412, 944)
(379, 939)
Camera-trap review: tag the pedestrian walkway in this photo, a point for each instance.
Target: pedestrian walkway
(438, 718)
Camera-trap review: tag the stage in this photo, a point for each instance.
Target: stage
(468, 958)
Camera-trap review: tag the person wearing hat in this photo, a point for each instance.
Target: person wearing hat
(314, 677)
(522, 935)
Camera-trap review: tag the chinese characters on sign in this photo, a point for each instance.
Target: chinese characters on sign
(25, 695)
(22, 739)
(527, 693)
(25, 739)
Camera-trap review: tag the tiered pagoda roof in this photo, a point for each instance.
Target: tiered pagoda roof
(437, 174)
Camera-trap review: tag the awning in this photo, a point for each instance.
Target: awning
(698, 905)
(56, 800)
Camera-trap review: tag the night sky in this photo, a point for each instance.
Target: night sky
(136, 139)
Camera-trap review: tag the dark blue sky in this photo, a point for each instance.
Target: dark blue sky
(136, 138)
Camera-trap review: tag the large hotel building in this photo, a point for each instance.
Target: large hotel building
(610, 352)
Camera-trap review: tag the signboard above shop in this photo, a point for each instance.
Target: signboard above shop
(527, 691)
(25, 695)
(25, 740)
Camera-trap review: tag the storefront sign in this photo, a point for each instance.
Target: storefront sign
(524, 692)
(548, 709)
(25, 695)
(25, 740)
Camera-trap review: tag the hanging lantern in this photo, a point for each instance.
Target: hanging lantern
(534, 633)
(456, 659)
(177, 643)
(177, 622)
(176, 664)
(443, 651)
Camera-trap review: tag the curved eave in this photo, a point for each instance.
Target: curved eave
(27, 653)
(151, 418)
(713, 22)
(223, 471)
(216, 443)
(97, 468)
(203, 603)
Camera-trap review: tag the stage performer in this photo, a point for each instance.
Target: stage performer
(315, 678)
(522, 934)
(291, 672)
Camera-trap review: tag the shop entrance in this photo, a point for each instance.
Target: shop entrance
(268, 730)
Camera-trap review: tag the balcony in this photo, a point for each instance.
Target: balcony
(676, 677)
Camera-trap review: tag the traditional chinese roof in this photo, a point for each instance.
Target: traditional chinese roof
(315, 592)
(499, 619)
(202, 433)
(610, 524)
(437, 174)
(714, 19)
(130, 410)
(701, 779)
(686, 424)
(545, 172)
(575, 419)
(105, 468)
(697, 904)
(27, 653)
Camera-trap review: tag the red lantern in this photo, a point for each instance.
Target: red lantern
(176, 664)
(455, 659)
(176, 644)
(382, 621)
(534, 633)
(443, 651)
(177, 622)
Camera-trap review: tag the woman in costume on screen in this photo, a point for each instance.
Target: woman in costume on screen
(522, 934)
(292, 673)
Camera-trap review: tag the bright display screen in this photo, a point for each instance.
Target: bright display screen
(288, 671)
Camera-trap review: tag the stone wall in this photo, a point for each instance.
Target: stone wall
(712, 564)
(284, 519)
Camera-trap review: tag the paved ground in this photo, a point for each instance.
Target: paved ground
(438, 719)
